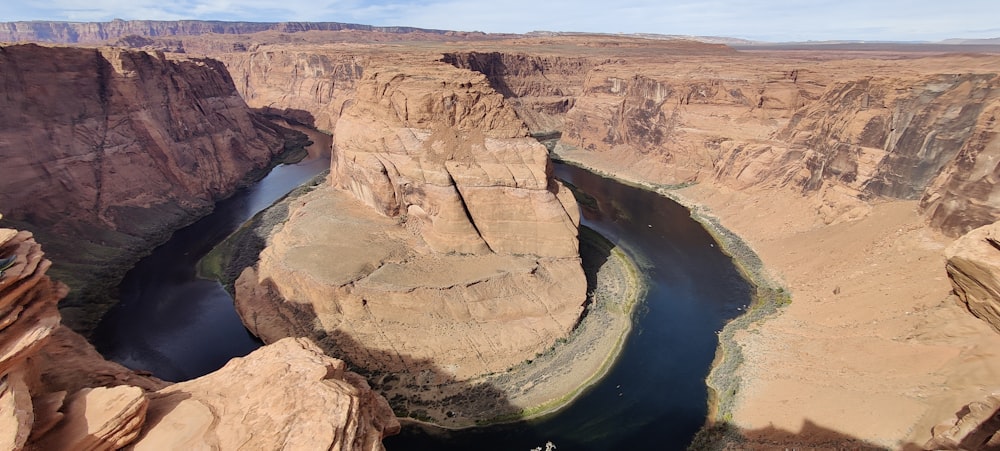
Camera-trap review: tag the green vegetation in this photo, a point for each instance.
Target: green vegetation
(767, 299)
(241, 248)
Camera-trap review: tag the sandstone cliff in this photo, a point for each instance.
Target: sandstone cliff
(974, 269)
(106, 151)
(99, 32)
(56, 392)
(541, 88)
(448, 252)
(309, 85)
(838, 138)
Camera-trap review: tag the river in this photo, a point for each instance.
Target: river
(179, 327)
(655, 396)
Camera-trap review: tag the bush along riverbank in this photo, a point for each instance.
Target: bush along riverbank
(769, 297)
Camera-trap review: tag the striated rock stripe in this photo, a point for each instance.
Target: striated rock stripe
(974, 269)
(106, 151)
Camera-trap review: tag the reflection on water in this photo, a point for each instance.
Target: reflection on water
(655, 396)
(172, 323)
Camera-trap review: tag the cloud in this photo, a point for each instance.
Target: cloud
(754, 19)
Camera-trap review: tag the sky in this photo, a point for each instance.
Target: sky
(764, 20)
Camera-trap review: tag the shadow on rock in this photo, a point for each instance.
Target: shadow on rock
(291, 115)
(809, 436)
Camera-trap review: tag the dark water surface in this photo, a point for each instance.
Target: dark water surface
(176, 325)
(655, 396)
(179, 327)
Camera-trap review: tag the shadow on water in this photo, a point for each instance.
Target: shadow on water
(174, 324)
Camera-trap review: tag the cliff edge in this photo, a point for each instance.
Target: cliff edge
(107, 151)
(56, 392)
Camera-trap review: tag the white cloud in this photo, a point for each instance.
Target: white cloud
(756, 19)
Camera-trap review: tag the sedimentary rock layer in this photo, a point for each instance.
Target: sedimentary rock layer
(844, 140)
(98, 32)
(448, 251)
(56, 392)
(308, 84)
(974, 269)
(106, 151)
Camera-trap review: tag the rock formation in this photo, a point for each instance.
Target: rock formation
(307, 84)
(448, 251)
(289, 396)
(541, 88)
(99, 32)
(976, 427)
(105, 152)
(56, 392)
(974, 269)
(844, 141)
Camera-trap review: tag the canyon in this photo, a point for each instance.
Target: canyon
(132, 146)
(848, 172)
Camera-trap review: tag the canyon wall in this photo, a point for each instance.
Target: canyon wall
(974, 269)
(99, 32)
(540, 88)
(106, 151)
(56, 392)
(308, 85)
(841, 139)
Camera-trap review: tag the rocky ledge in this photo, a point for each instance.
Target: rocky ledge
(56, 392)
(974, 269)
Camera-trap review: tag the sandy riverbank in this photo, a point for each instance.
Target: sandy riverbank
(871, 351)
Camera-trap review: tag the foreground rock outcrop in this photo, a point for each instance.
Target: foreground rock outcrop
(975, 427)
(974, 269)
(56, 392)
(289, 396)
(446, 252)
(106, 151)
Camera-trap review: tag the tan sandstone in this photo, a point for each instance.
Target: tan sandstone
(448, 253)
(56, 392)
(974, 269)
(290, 396)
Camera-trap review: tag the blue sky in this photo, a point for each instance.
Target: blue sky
(768, 20)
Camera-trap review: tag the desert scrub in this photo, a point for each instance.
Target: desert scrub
(768, 297)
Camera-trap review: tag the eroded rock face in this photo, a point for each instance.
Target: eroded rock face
(306, 84)
(543, 88)
(106, 151)
(449, 153)
(448, 251)
(289, 396)
(56, 392)
(914, 134)
(974, 269)
(976, 427)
